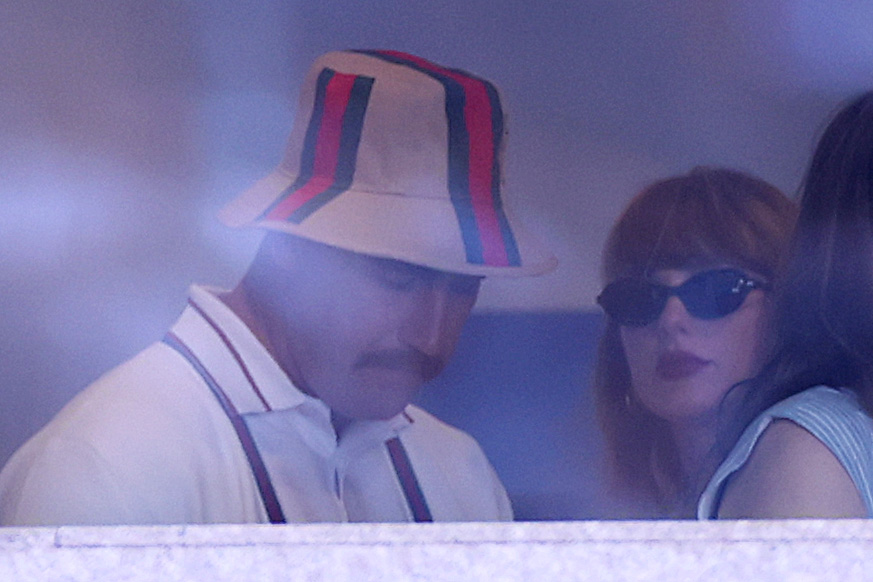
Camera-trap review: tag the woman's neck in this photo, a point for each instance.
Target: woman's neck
(693, 456)
(694, 442)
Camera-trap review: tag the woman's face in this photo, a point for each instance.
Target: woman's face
(682, 366)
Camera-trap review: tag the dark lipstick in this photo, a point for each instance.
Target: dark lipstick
(677, 365)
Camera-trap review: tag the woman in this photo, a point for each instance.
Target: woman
(689, 266)
(811, 453)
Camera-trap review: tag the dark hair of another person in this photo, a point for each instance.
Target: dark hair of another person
(708, 217)
(823, 316)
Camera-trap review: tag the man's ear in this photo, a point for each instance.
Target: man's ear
(266, 282)
(278, 252)
(266, 265)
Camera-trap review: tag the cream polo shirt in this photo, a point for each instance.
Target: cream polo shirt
(148, 443)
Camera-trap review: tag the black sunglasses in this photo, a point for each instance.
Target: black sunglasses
(707, 295)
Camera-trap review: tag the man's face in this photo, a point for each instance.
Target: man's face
(362, 333)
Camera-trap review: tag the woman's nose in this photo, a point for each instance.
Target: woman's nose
(674, 317)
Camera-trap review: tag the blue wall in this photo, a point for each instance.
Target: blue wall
(519, 383)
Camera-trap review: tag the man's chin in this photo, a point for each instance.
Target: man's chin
(374, 413)
(400, 383)
(386, 403)
(413, 366)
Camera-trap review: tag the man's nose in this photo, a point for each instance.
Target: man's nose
(434, 321)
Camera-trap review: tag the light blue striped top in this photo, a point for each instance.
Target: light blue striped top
(833, 416)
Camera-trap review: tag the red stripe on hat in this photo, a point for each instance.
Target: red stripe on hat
(482, 154)
(477, 116)
(326, 148)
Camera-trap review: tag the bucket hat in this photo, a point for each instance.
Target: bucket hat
(394, 156)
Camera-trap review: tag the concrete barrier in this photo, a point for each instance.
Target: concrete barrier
(667, 550)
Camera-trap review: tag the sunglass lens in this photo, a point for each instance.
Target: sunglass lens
(707, 295)
(714, 294)
(632, 302)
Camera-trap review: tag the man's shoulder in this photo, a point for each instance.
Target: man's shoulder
(135, 446)
(423, 419)
(155, 380)
(454, 469)
(152, 397)
(424, 425)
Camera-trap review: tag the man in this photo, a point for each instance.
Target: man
(288, 397)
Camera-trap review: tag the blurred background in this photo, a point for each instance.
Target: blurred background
(125, 125)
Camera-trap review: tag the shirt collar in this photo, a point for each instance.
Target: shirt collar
(242, 366)
(228, 349)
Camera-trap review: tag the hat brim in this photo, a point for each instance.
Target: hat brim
(417, 230)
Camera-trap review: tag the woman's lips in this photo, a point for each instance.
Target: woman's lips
(678, 365)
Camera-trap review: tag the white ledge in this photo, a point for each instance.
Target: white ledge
(610, 550)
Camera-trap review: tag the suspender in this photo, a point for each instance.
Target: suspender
(268, 494)
(411, 489)
(399, 458)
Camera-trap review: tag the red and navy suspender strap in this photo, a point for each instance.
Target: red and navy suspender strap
(268, 494)
(411, 489)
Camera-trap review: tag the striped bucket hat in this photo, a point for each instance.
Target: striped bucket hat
(397, 157)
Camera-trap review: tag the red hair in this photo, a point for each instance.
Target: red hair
(707, 217)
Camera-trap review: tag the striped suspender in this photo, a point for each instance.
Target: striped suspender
(268, 494)
(411, 489)
(399, 457)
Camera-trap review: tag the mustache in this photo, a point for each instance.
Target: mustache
(428, 367)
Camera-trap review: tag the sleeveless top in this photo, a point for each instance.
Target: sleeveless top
(834, 416)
